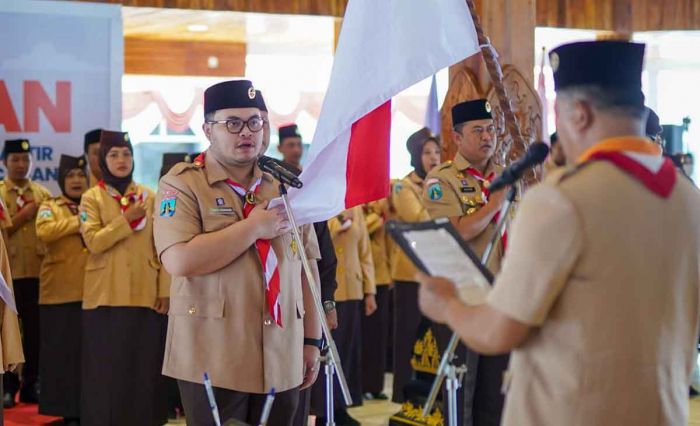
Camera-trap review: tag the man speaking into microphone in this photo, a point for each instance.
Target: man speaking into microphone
(602, 324)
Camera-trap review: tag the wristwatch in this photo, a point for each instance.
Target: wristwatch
(314, 342)
(328, 306)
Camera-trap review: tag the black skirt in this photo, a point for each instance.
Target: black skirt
(59, 365)
(122, 361)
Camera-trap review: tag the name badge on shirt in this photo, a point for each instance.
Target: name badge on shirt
(468, 189)
(226, 211)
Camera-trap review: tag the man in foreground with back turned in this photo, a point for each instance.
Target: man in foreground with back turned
(602, 325)
(238, 297)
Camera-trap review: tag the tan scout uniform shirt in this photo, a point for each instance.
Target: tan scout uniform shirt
(355, 271)
(63, 268)
(375, 214)
(406, 197)
(608, 274)
(220, 322)
(10, 337)
(5, 220)
(24, 248)
(122, 268)
(452, 192)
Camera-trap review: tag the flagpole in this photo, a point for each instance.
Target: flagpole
(447, 369)
(496, 73)
(332, 358)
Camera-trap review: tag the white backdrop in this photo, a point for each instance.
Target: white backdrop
(61, 65)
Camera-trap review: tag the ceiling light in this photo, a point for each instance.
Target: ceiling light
(197, 28)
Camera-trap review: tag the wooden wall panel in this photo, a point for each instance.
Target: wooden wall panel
(611, 15)
(620, 15)
(299, 7)
(163, 57)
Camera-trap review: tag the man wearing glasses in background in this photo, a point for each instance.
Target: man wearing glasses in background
(238, 294)
(459, 190)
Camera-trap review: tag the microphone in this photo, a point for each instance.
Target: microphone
(536, 153)
(276, 169)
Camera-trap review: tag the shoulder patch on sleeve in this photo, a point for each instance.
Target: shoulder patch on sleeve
(434, 191)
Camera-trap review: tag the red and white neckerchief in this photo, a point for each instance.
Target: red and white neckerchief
(124, 201)
(268, 259)
(640, 159)
(484, 182)
(21, 200)
(73, 207)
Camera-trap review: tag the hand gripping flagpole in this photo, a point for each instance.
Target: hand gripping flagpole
(332, 359)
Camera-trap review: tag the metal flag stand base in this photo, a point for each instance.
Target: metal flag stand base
(447, 371)
(331, 361)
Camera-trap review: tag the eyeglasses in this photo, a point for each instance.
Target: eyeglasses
(235, 125)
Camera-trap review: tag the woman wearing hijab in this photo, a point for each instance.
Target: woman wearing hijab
(125, 297)
(61, 293)
(406, 200)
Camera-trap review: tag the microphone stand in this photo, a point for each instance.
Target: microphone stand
(447, 371)
(331, 361)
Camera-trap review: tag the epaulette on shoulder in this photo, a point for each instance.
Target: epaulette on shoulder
(569, 172)
(445, 165)
(179, 168)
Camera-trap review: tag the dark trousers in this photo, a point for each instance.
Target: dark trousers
(301, 418)
(407, 317)
(245, 407)
(27, 299)
(375, 339)
(479, 399)
(122, 357)
(348, 339)
(60, 366)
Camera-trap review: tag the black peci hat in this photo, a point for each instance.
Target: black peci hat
(479, 109)
(289, 131)
(16, 146)
(606, 64)
(230, 94)
(91, 137)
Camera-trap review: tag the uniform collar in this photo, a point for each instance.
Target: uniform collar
(635, 144)
(63, 200)
(463, 164)
(215, 171)
(11, 186)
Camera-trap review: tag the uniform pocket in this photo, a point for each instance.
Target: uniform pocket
(217, 222)
(94, 262)
(203, 307)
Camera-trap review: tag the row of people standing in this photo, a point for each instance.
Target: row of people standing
(91, 294)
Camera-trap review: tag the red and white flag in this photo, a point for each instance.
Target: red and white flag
(384, 47)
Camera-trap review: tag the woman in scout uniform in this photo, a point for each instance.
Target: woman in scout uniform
(354, 297)
(22, 197)
(124, 299)
(425, 150)
(61, 293)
